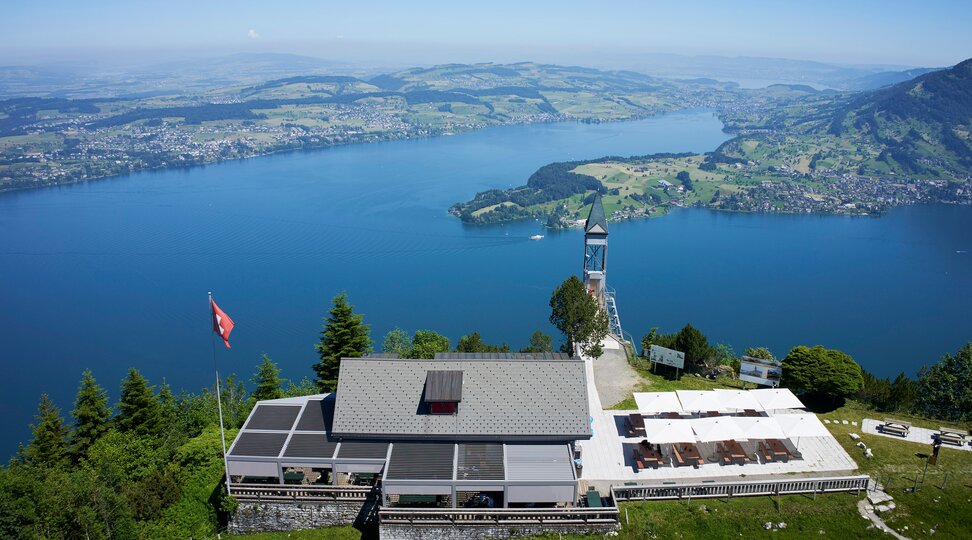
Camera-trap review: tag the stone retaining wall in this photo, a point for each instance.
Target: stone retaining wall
(483, 532)
(252, 517)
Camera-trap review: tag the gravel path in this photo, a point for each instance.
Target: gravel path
(613, 377)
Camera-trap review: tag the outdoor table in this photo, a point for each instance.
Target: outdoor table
(735, 450)
(644, 455)
(711, 414)
(751, 412)
(778, 449)
(636, 424)
(690, 453)
(672, 416)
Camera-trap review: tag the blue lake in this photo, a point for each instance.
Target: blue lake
(114, 273)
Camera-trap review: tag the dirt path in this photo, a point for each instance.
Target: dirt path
(613, 377)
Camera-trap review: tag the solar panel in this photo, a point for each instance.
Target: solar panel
(275, 417)
(259, 444)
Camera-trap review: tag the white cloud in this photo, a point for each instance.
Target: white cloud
(252, 34)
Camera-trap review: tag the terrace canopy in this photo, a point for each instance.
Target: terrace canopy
(776, 398)
(801, 425)
(699, 400)
(737, 399)
(716, 428)
(660, 431)
(763, 427)
(657, 402)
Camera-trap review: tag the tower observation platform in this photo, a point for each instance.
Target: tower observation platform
(595, 265)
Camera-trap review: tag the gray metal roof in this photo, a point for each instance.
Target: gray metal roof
(480, 461)
(363, 450)
(501, 356)
(249, 443)
(420, 461)
(596, 222)
(278, 417)
(443, 385)
(317, 415)
(538, 462)
(501, 399)
(314, 445)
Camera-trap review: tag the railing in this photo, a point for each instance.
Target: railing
(299, 492)
(614, 319)
(498, 516)
(741, 489)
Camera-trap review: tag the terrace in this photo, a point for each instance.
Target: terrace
(676, 438)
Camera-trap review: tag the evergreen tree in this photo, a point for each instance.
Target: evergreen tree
(577, 315)
(49, 444)
(473, 343)
(539, 343)
(944, 389)
(139, 411)
(91, 413)
(267, 381)
(344, 336)
(695, 345)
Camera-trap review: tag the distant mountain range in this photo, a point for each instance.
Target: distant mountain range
(102, 80)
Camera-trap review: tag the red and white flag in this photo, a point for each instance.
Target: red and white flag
(222, 324)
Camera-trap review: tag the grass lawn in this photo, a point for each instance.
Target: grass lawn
(330, 533)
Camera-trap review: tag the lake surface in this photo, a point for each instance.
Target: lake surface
(114, 273)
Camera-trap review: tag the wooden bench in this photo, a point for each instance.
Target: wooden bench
(896, 427)
(952, 436)
(765, 452)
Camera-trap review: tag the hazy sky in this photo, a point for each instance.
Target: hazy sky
(927, 33)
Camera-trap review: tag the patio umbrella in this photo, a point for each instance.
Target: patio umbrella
(657, 402)
(737, 399)
(763, 427)
(716, 428)
(660, 431)
(801, 425)
(776, 398)
(699, 400)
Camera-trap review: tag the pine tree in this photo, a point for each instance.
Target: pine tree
(267, 381)
(139, 411)
(49, 444)
(344, 336)
(91, 413)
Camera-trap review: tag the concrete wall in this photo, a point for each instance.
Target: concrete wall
(253, 517)
(483, 532)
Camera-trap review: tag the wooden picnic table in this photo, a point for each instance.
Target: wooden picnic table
(952, 436)
(735, 451)
(644, 455)
(778, 449)
(751, 412)
(636, 424)
(687, 453)
(896, 427)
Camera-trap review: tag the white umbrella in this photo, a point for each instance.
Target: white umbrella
(699, 400)
(776, 398)
(661, 430)
(763, 427)
(657, 402)
(737, 399)
(716, 428)
(801, 425)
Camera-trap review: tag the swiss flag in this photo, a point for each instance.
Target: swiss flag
(222, 324)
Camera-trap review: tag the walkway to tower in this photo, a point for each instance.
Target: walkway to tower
(614, 378)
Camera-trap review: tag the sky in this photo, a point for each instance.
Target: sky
(903, 33)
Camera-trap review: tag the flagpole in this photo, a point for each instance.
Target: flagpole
(219, 404)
